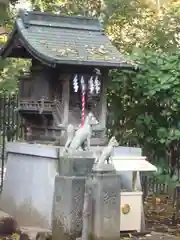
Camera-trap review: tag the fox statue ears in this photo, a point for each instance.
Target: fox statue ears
(70, 128)
(90, 119)
(113, 141)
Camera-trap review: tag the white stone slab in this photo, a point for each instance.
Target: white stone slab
(132, 163)
(29, 185)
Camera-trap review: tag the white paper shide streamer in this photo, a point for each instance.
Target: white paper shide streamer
(91, 85)
(94, 84)
(75, 83)
(97, 85)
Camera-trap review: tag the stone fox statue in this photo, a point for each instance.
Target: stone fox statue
(83, 135)
(70, 135)
(105, 154)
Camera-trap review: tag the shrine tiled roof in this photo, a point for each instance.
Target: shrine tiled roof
(63, 40)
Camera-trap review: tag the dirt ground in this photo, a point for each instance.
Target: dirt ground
(156, 236)
(31, 231)
(151, 236)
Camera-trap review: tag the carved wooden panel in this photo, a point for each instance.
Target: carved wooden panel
(56, 89)
(40, 87)
(41, 79)
(25, 87)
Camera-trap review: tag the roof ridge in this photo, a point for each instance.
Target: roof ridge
(21, 11)
(61, 21)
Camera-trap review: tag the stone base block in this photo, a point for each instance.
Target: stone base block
(29, 184)
(103, 167)
(78, 163)
(68, 206)
(105, 207)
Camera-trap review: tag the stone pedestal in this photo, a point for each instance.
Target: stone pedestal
(67, 210)
(69, 195)
(29, 183)
(105, 222)
(76, 164)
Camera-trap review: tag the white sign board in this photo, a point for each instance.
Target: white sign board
(132, 164)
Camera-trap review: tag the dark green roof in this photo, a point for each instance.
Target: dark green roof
(55, 39)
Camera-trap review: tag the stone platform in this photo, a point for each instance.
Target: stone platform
(29, 183)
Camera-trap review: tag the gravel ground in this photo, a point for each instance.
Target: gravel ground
(31, 231)
(158, 236)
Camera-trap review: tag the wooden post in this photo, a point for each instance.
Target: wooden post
(103, 100)
(65, 98)
(134, 181)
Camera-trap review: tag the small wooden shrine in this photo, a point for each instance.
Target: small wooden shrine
(70, 57)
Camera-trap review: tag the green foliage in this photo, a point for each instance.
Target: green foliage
(9, 68)
(145, 106)
(149, 99)
(10, 72)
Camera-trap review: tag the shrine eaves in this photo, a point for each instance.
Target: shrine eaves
(56, 39)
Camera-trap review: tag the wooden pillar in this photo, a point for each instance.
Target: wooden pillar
(65, 98)
(103, 100)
